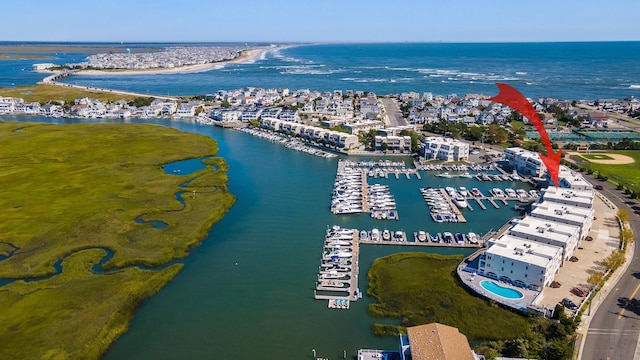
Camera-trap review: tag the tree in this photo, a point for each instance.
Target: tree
(623, 215)
(496, 134)
(474, 133)
(517, 348)
(595, 279)
(626, 235)
(225, 104)
(384, 146)
(614, 260)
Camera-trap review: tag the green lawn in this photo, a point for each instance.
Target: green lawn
(627, 175)
(422, 288)
(71, 191)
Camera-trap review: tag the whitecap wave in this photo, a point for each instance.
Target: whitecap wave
(521, 73)
(634, 86)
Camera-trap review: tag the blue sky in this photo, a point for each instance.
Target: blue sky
(319, 21)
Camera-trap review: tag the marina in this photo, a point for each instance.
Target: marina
(338, 273)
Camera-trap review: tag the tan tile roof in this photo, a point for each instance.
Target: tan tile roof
(438, 342)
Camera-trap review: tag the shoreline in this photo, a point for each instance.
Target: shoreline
(246, 56)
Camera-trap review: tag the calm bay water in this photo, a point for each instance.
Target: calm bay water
(247, 292)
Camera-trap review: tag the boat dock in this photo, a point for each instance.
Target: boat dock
(338, 271)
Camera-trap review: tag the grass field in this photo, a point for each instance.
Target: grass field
(43, 93)
(627, 174)
(422, 288)
(68, 193)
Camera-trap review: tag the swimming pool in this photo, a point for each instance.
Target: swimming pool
(501, 291)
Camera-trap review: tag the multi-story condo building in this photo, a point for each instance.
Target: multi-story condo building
(401, 144)
(569, 197)
(521, 262)
(525, 162)
(446, 149)
(564, 236)
(570, 215)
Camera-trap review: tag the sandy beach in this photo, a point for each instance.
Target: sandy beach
(245, 57)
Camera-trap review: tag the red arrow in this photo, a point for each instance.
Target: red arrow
(511, 97)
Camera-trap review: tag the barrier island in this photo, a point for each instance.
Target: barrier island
(91, 227)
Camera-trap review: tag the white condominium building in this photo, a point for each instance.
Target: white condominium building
(446, 149)
(570, 197)
(570, 179)
(401, 144)
(564, 236)
(521, 262)
(570, 215)
(333, 138)
(525, 162)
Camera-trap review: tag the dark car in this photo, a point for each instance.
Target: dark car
(598, 187)
(578, 292)
(569, 304)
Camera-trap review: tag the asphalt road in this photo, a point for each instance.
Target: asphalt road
(393, 112)
(614, 331)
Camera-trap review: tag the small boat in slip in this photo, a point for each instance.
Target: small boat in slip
(435, 237)
(386, 234)
(472, 237)
(422, 236)
(460, 201)
(364, 235)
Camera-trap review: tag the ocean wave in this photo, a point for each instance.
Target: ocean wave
(521, 73)
(634, 86)
(361, 80)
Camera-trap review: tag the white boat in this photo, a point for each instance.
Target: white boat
(463, 191)
(364, 235)
(386, 234)
(521, 193)
(515, 175)
(445, 175)
(450, 190)
(460, 201)
(398, 236)
(497, 192)
(510, 192)
(533, 193)
(375, 234)
(447, 237)
(466, 175)
(476, 192)
(422, 236)
(472, 237)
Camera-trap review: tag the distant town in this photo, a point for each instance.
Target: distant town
(351, 121)
(171, 57)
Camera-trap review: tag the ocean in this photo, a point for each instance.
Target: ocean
(571, 71)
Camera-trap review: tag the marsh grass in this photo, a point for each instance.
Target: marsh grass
(71, 191)
(44, 93)
(422, 288)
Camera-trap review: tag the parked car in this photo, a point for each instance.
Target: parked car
(578, 292)
(598, 187)
(569, 304)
